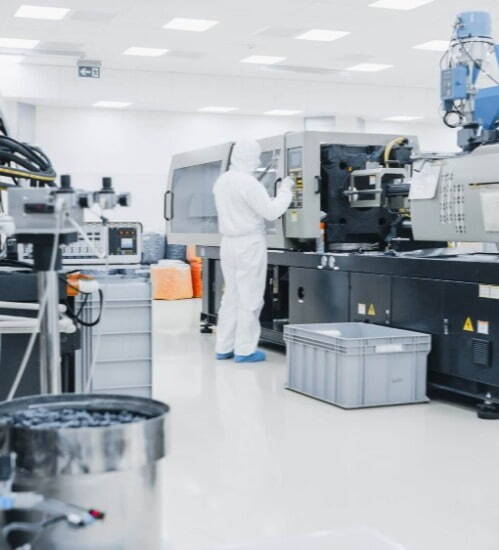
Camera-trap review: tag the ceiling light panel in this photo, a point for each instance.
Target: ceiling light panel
(191, 25)
(263, 59)
(400, 4)
(18, 43)
(322, 35)
(283, 112)
(434, 46)
(41, 12)
(217, 109)
(402, 118)
(369, 67)
(145, 52)
(112, 104)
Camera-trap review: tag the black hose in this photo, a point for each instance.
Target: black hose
(76, 316)
(21, 160)
(7, 156)
(11, 145)
(453, 112)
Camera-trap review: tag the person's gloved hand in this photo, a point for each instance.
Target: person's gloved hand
(289, 183)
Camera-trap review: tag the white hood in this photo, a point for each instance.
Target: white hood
(246, 156)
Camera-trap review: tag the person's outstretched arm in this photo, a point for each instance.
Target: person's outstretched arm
(270, 208)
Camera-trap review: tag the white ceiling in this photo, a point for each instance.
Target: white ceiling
(204, 69)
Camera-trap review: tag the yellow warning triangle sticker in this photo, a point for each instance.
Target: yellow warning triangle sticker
(468, 325)
(371, 310)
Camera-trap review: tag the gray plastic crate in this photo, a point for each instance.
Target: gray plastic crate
(355, 365)
(153, 248)
(124, 362)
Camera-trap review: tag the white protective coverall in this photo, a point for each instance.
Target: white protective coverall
(243, 205)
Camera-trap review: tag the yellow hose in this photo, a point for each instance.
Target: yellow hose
(390, 146)
(26, 175)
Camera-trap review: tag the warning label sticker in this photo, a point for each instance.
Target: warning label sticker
(372, 310)
(361, 309)
(468, 325)
(482, 327)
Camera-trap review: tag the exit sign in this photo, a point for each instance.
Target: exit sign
(88, 71)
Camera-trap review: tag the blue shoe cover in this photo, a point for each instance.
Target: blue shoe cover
(256, 357)
(225, 356)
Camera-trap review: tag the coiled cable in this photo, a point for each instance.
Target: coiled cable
(20, 160)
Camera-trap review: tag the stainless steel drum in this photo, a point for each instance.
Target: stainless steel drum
(114, 469)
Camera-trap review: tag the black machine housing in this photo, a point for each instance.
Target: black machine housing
(387, 225)
(441, 297)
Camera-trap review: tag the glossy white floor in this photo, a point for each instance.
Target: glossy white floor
(254, 466)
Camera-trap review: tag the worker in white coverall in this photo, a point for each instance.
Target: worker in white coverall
(243, 205)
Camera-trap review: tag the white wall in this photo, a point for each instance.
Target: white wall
(135, 147)
(171, 91)
(20, 119)
(26, 122)
(432, 137)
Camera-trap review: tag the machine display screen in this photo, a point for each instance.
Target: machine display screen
(295, 158)
(122, 241)
(194, 208)
(127, 243)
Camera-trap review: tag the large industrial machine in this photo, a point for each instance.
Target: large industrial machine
(351, 191)
(456, 198)
(388, 215)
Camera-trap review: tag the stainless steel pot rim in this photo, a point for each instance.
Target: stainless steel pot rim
(153, 409)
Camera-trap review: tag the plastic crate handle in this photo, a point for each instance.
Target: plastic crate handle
(389, 348)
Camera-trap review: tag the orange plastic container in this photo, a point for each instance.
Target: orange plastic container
(197, 277)
(191, 253)
(172, 280)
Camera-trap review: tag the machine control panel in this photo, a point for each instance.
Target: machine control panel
(295, 171)
(113, 243)
(120, 242)
(453, 85)
(123, 240)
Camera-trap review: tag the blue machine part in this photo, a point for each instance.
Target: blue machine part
(6, 503)
(473, 24)
(487, 107)
(454, 84)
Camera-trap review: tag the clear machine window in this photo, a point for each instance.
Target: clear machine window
(267, 173)
(193, 199)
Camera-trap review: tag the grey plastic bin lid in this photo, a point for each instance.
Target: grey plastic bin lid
(352, 331)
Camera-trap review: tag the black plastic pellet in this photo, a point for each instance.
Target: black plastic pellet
(52, 419)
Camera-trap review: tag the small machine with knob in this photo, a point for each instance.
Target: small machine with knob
(113, 243)
(40, 211)
(106, 197)
(47, 218)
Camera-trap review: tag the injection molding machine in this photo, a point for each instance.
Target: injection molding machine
(366, 237)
